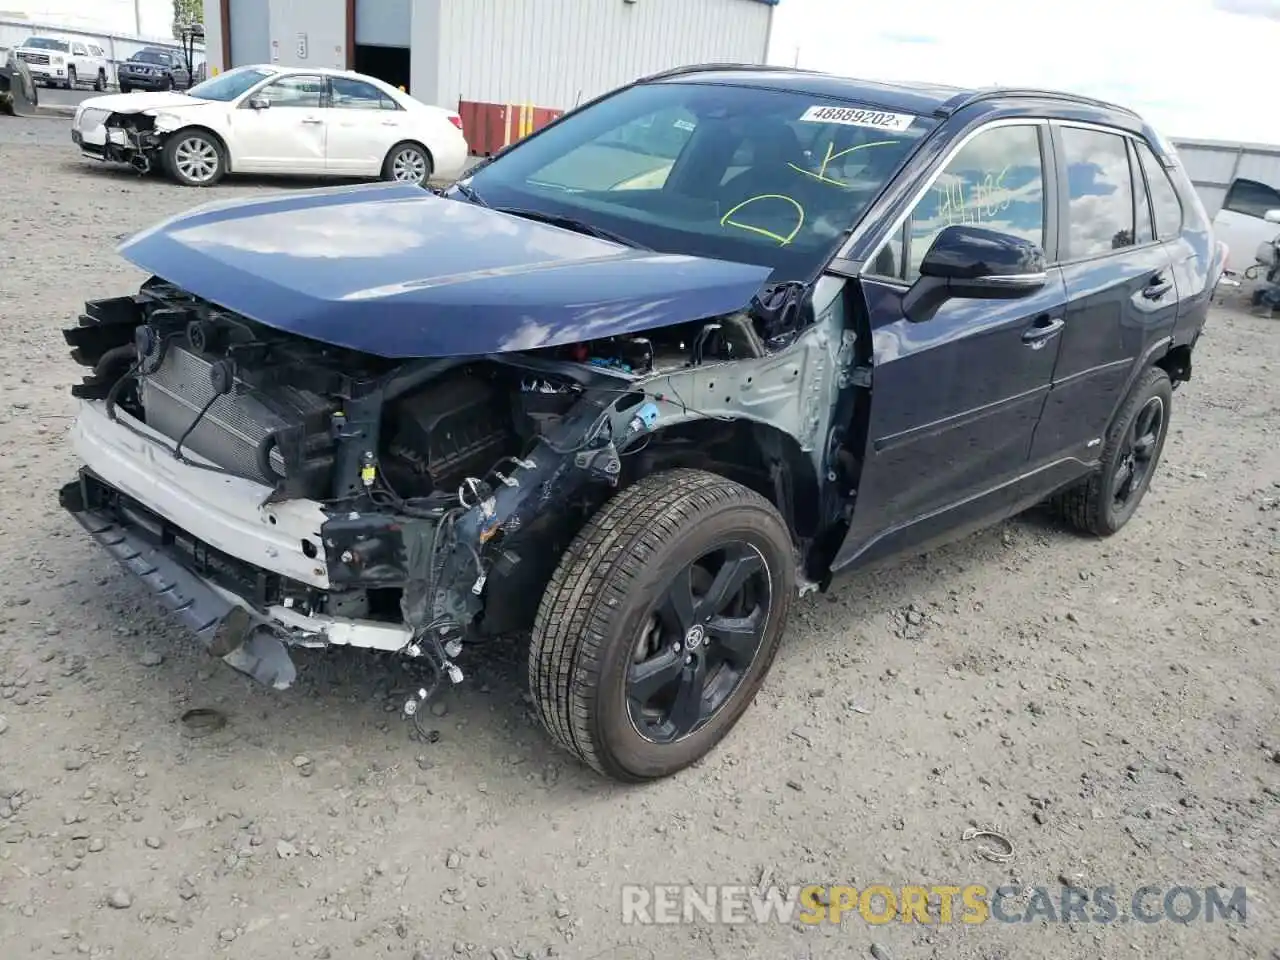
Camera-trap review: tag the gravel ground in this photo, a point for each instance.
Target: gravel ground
(1109, 707)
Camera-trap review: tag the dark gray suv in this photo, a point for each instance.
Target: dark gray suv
(632, 386)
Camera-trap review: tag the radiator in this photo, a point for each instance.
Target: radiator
(234, 427)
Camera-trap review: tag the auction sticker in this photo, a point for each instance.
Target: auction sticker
(858, 117)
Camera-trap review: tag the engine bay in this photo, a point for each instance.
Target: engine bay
(450, 487)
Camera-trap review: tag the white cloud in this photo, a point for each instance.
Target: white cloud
(1189, 66)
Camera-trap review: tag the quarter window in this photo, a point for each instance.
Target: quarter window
(996, 181)
(304, 92)
(1164, 196)
(79, 50)
(1251, 198)
(1099, 193)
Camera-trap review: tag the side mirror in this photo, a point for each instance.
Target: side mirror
(259, 103)
(1272, 216)
(974, 263)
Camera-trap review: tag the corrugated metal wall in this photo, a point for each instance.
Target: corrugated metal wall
(553, 53)
(1213, 164)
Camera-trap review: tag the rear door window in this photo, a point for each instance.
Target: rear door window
(1100, 207)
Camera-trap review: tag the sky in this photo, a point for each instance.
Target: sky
(1193, 68)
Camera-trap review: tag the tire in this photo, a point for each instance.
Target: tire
(408, 163)
(125, 88)
(601, 609)
(72, 79)
(181, 153)
(168, 82)
(100, 83)
(1108, 499)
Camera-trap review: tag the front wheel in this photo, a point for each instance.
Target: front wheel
(100, 83)
(1108, 499)
(660, 623)
(407, 163)
(125, 88)
(195, 158)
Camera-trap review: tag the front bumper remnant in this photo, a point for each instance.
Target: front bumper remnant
(223, 627)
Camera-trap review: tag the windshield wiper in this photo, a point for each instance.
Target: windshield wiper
(470, 193)
(571, 223)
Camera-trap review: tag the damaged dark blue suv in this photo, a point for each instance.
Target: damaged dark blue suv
(638, 382)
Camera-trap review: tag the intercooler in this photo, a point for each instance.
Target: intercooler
(235, 426)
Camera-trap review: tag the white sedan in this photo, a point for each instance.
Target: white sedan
(276, 120)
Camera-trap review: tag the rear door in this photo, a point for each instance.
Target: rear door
(289, 135)
(364, 124)
(1121, 287)
(956, 398)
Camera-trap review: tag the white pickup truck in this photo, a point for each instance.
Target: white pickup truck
(65, 63)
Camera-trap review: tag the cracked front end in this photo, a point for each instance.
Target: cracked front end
(275, 491)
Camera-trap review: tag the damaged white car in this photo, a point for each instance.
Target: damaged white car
(272, 120)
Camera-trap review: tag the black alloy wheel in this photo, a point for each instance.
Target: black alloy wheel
(1137, 453)
(1108, 498)
(699, 643)
(660, 623)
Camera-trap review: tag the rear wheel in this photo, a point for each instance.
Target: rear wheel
(661, 622)
(195, 158)
(407, 163)
(72, 79)
(1108, 499)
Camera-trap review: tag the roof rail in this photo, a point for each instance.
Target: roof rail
(961, 101)
(720, 67)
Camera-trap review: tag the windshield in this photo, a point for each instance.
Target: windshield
(152, 56)
(736, 173)
(45, 43)
(229, 85)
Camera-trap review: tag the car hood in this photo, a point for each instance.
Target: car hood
(142, 102)
(395, 271)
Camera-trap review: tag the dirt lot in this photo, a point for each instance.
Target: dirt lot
(1112, 708)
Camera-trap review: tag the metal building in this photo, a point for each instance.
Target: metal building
(530, 59)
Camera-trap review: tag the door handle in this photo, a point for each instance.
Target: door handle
(1157, 287)
(391, 123)
(312, 120)
(1042, 331)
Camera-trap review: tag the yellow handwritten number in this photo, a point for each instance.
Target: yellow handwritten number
(727, 221)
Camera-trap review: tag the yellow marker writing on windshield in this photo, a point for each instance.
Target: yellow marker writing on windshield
(831, 157)
(726, 220)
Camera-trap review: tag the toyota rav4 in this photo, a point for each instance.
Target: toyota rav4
(633, 385)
